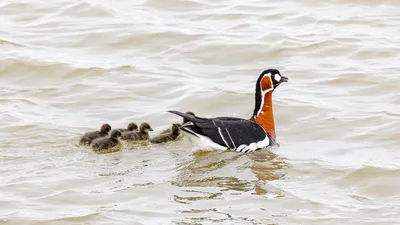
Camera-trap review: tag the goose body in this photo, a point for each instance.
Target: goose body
(241, 135)
(222, 133)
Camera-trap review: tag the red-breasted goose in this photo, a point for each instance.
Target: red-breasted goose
(241, 135)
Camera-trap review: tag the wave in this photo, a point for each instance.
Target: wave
(21, 71)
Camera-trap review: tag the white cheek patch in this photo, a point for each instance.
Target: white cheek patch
(277, 77)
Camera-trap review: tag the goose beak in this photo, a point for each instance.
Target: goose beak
(284, 79)
(150, 129)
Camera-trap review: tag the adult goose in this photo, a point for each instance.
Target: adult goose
(241, 135)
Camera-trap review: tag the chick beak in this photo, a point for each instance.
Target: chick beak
(284, 79)
(150, 129)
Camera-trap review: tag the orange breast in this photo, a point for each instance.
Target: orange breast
(266, 116)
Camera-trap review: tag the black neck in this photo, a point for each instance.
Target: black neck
(258, 98)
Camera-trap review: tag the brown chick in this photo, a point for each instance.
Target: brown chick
(141, 135)
(88, 137)
(171, 136)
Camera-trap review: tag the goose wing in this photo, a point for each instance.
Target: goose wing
(234, 133)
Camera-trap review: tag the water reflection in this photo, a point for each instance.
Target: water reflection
(267, 166)
(195, 196)
(204, 169)
(198, 171)
(208, 176)
(199, 216)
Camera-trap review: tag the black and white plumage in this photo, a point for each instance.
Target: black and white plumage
(167, 131)
(242, 135)
(222, 133)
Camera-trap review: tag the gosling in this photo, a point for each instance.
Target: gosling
(141, 135)
(131, 127)
(88, 137)
(172, 136)
(107, 144)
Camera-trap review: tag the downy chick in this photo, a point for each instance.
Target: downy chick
(107, 144)
(141, 135)
(88, 137)
(171, 136)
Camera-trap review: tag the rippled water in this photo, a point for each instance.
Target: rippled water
(68, 66)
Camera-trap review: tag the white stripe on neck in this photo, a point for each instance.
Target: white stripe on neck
(263, 93)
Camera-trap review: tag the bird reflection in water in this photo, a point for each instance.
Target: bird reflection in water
(222, 175)
(214, 169)
(267, 166)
